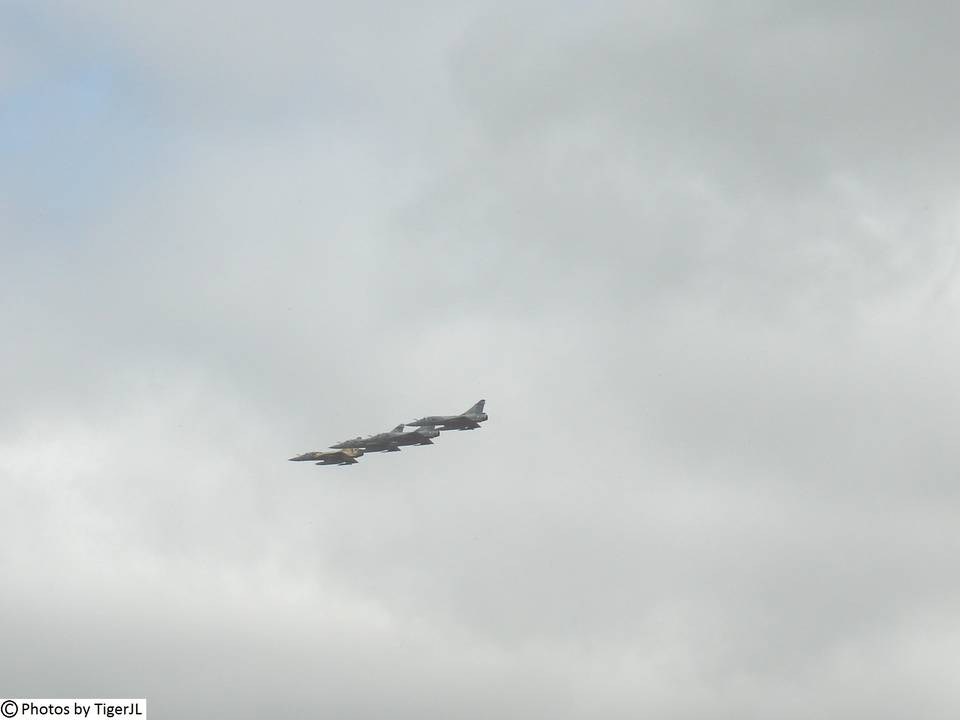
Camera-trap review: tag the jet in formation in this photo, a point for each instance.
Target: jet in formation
(425, 429)
(346, 456)
(469, 420)
(392, 440)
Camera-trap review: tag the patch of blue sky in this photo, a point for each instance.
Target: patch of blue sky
(72, 142)
(78, 133)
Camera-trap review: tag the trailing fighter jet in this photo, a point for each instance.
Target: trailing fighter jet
(391, 441)
(468, 420)
(347, 456)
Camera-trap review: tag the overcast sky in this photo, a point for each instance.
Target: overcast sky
(701, 259)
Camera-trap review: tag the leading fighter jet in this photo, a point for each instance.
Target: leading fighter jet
(468, 420)
(347, 456)
(391, 441)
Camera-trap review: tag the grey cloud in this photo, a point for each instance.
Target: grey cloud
(710, 312)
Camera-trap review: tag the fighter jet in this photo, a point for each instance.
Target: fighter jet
(347, 456)
(391, 441)
(468, 420)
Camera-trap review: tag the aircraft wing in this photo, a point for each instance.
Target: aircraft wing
(460, 424)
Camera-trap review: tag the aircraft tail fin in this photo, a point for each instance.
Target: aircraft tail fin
(478, 408)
